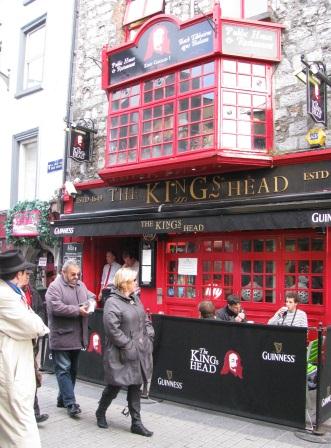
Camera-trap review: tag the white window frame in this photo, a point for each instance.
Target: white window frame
(25, 31)
(18, 141)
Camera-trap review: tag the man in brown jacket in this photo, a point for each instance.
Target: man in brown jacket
(67, 308)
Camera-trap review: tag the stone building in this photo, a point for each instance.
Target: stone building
(243, 196)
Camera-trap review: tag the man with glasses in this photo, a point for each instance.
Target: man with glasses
(67, 300)
(19, 326)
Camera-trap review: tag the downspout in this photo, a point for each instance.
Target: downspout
(68, 117)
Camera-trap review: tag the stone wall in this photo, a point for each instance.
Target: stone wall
(307, 31)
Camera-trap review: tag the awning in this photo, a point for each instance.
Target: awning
(184, 219)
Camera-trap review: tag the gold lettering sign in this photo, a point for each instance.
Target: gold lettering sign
(202, 189)
(169, 225)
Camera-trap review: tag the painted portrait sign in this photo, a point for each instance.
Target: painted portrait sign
(161, 46)
(80, 145)
(316, 98)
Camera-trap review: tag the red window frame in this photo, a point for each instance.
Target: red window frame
(191, 92)
(246, 115)
(195, 124)
(222, 262)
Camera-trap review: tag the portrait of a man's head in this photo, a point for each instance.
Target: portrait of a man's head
(80, 145)
(158, 43)
(232, 364)
(95, 343)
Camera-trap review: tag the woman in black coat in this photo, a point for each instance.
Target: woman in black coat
(129, 344)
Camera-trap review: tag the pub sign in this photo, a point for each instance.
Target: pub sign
(80, 144)
(316, 98)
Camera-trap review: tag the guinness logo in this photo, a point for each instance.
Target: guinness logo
(278, 347)
(169, 374)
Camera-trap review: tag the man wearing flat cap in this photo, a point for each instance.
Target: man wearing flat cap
(19, 325)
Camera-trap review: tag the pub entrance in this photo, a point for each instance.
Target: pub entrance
(94, 255)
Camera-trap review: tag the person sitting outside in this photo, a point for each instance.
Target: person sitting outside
(207, 310)
(289, 315)
(232, 312)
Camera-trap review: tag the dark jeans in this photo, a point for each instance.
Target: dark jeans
(65, 364)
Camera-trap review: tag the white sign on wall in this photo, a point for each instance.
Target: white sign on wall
(187, 266)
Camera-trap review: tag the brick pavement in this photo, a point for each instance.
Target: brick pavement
(174, 425)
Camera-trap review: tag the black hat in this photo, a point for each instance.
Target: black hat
(13, 261)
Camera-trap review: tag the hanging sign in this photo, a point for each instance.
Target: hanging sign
(80, 144)
(316, 98)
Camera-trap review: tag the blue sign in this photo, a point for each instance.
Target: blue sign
(55, 165)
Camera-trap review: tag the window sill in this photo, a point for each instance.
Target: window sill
(26, 92)
(185, 165)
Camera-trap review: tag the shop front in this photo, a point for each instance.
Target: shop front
(256, 233)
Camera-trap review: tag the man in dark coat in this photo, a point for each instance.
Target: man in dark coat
(67, 308)
(232, 312)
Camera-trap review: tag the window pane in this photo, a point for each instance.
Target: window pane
(229, 141)
(34, 57)
(255, 8)
(229, 80)
(231, 8)
(27, 172)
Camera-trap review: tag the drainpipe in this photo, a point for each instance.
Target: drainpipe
(68, 117)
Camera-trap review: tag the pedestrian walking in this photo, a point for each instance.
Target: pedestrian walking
(19, 326)
(67, 300)
(127, 356)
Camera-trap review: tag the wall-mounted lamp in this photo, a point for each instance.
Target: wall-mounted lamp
(318, 69)
(302, 76)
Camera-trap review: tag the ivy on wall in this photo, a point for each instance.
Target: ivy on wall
(43, 227)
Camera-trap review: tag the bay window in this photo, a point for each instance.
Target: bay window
(178, 114)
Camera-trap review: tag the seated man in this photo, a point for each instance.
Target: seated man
(130, 261)
(207, 310)
(232, 312)
(289, 315)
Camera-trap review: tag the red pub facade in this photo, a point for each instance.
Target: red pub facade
(191, 181)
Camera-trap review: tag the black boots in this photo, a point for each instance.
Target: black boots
(134, 408)
(108, 394)
(101, 419)
(139, 428)
(133, 396)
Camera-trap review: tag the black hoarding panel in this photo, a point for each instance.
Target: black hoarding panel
(90, 365)
(325, 380)
(250, 370)
(91, 360)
